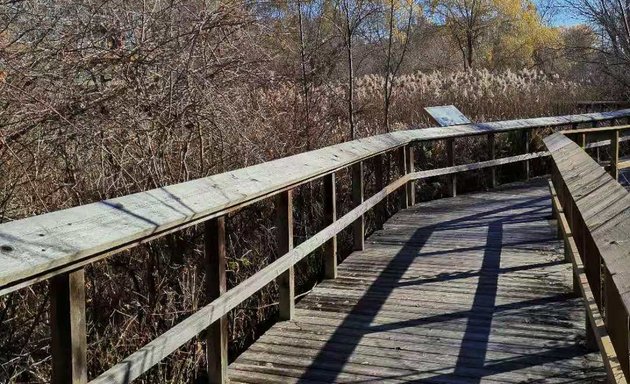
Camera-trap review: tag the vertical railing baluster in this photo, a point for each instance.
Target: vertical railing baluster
(450, 158)
(358, 227)
(411, 190)
(526, 138)
(402, 170)
(614, 154)
(597, 154)
(284, 237)
(330, 216)
(216, 285)
(492, 154)
(68, 328)
(380, 209)
(617, 322)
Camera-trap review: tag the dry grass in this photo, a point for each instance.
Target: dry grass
(135, 296)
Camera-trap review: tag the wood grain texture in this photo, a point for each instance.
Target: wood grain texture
(152, 353)
(461, 290)
(216, 285)
(39, 247)
(284, 239)
(68, 328)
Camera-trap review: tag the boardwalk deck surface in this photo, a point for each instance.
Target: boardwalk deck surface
(462, 290)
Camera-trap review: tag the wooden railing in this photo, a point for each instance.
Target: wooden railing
(56, 246)
(593, 215)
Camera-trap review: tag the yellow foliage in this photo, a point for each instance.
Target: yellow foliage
(518, 34)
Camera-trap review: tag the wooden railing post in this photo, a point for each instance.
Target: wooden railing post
(614, 154)
(402, 169)
(286, 281)
(526, 138)
(67, 328)
(358, 227)
(411, 190)
(492, 154)
(380, 209)
(330, 216)
(597, 154)
(617, 322)
(450, 157)
(216, 285)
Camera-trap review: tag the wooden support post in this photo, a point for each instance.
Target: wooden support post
(526, 138)
(450, 157)
(597, 155)
(614, 154)
(492, 154)
(330, 216)
(358, 227)
(617, 322)
(216, 285)
(381, 209)
(286, 281)
(67, 328)
(402, 169)
(411, 186)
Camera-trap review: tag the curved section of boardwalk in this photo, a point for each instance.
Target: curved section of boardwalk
(462, 290)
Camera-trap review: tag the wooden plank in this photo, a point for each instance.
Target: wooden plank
(216, 285)
(39, 247)
(284, 238)
(358, 189)
(416, 306)
(68, 328)
(330, 216)
(152, 353)
(476, 166)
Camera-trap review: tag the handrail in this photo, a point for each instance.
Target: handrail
(597, 211)
(57, 245)
(39, 247)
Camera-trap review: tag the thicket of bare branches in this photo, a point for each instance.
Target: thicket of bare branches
(102, 99)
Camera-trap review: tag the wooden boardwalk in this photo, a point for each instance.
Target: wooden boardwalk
(461, 290)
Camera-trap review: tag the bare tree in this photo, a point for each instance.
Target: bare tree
(393, 61)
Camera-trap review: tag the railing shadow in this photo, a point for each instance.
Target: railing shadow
(471, 361)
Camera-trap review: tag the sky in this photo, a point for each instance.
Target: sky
(564, 16)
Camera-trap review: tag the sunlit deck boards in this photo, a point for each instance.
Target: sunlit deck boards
(463, 290)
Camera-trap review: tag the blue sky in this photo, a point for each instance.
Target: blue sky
(564, 16)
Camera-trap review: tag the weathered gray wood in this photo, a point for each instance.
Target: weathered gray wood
(614, 155)
(401, 163)
(380, 211)
(410, 164)
(603, 243)
(526, 139)
(450, 160)
(358, 189)
(476, 166)
(415, 306)
(152, 353)
(284, 238)
(492, 154)
(330, 216)
(596, 330)
(39, 247)
(216, 285)
(68, 328)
